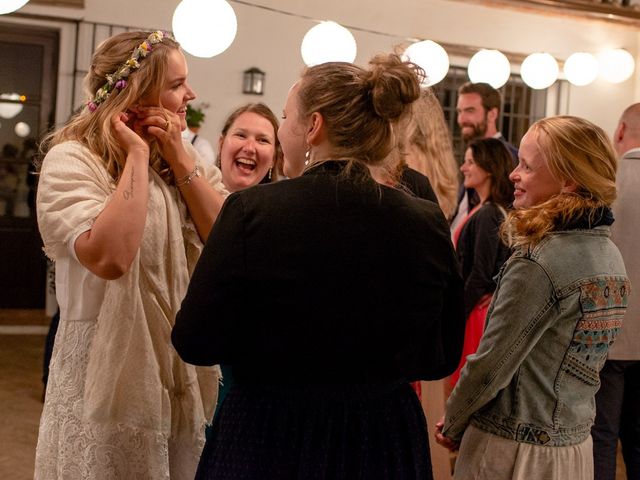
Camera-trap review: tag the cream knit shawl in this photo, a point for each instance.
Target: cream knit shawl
(134, 375)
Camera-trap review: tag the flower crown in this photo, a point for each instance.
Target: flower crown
(118, 78)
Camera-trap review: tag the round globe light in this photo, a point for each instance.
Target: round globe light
(581, 68)
(8, 6)
(616, 65)
(539, 70)
(489, 66)
(10, 109)
(328, 42)
(204, 28)
(22, 129)
(433, 59)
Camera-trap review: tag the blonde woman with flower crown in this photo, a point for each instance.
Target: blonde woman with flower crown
(124, 207)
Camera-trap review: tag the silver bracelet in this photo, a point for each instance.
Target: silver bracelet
(186, 180)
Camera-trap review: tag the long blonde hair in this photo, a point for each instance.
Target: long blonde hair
(428, 133)
(575, 150)
(93, 129)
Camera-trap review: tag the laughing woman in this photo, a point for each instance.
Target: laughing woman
(249, 152)
(524, 404)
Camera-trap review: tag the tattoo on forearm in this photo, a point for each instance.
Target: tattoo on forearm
(129, 193)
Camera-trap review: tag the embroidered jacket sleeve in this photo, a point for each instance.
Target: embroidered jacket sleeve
(523, 307)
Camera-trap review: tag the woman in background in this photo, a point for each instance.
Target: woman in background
(427, 148)
(249, 152)
(481, 251)
(524, 404)
(325, 330)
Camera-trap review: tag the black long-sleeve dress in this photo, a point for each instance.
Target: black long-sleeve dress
(481, 253)
(326, 294)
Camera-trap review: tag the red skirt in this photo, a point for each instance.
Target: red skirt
(472, 334)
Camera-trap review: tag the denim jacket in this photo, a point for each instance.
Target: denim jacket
(557, 308)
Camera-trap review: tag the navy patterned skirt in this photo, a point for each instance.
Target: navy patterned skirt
(347, 432)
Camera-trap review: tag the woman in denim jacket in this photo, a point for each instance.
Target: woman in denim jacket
(524, 405)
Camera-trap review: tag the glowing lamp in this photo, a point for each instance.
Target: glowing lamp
(8, 6)
(489, 66)
(204, 28)
(616, 65)
(431, 57)
(581, 68)
(328, 42)
(539, 70)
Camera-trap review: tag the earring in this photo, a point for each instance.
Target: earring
(269, 174)
(307, 157)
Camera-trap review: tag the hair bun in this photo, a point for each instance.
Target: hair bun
(393, 85)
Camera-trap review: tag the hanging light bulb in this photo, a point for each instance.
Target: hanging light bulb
(11, 108)
(328, 42)
(22, 129)
(431, 57)
(539, 70)
(581, 68)
(616, 65)
(8, 6)
(204, 28)
(489, 66)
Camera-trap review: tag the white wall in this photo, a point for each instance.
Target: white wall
(271, 41)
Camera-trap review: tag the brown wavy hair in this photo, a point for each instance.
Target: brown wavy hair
(492, 156)
(575, 150)
(93, 129)
(360, 107)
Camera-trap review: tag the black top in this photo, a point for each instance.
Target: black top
(418, 184)
(325, 294)
(330, 277)
(481, 253)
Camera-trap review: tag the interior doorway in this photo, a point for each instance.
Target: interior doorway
(29, 59)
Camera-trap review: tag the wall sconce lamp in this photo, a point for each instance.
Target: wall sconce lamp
(11, 104)
(253, 81)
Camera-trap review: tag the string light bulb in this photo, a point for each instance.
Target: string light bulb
(204, 28)
(431, 57)
(489, 66)
(328, 42)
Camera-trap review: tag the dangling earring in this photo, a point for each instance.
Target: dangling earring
(269, 175)
(307, 157)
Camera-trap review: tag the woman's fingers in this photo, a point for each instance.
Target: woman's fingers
(127, 137)
(441, 439)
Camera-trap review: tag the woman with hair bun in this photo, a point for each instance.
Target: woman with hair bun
(357, 295)
(524, 405)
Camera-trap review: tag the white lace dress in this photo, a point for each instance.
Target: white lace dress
(120, 404)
